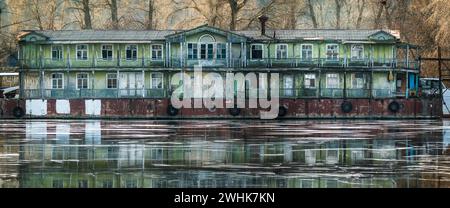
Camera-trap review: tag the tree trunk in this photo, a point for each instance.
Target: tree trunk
(114, 19)
(234, 10)
(338, 13)
(377, 22)
(312, 14)
(151, 9)
(87, 15)
(361, 5)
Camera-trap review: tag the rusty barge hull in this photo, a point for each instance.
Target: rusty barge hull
(134, 108)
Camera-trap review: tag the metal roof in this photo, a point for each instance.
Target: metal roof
(315, 34)
(148, 35)
(105, 35)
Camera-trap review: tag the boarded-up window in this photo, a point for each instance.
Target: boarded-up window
(357, 52)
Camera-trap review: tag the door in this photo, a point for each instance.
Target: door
(288, 85)
(130, 84)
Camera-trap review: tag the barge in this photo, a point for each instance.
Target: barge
(130, 74)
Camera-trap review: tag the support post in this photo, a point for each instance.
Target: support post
(345, 84)
(440, 78)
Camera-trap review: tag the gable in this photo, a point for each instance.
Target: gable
(382, 36)
(32, 37)
(195, 34)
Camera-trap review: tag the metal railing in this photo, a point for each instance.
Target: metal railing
(224, 63)
(93, 93)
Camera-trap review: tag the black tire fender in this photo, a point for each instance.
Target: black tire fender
(172, 111)
(235, 111)
(346, 107)
(394, 107)
(18, 112)
(282, 111)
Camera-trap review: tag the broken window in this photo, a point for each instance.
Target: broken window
(257, 52)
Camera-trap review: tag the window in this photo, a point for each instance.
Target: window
(281, 51)
(257, 52)
(332, 81)
(57, 53)
(157, 52)
(192, 51)
(358, 80)
(310, 81)
(157, 81)
(288, 85)
(107, 52)
(332, 52)
(357, 52)
(131, 52)
(82, 81)
(111, 81)
(82, 52)
(82, 184)
(306, 53)
(57, 81)
(206, 51)
(221, 51)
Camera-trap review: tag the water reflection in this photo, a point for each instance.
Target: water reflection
(303, 154)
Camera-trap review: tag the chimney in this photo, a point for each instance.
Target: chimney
(263, 19)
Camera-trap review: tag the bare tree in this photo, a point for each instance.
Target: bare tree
(338, 5)
(361, 4)
(83, 8)
(112, 4)
(312, 14)
(235, 7)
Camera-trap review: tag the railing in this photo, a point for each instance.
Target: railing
(224, 63)
(94, 93)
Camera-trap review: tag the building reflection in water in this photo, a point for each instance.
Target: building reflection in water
(294, 154)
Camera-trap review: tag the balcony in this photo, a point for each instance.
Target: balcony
(49, 63)
(94, 93)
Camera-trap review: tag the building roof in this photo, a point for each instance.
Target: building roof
(148, 35)
(330, 34)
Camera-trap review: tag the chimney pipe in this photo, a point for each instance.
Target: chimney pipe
(263, 19)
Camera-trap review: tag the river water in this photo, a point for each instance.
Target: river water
(181, 154)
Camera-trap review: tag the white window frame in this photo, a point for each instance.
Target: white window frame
(87, 52)
(251, 49)
(62, 81)
(112, 48)
(162, 80)
(315, 81)
(326, 81)
(87, 81)
(276, 50)
(137, 52)
(338, 52)
(117, 81)
(162, 52)
(61, 53)
(351, 52)
(301, 51)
